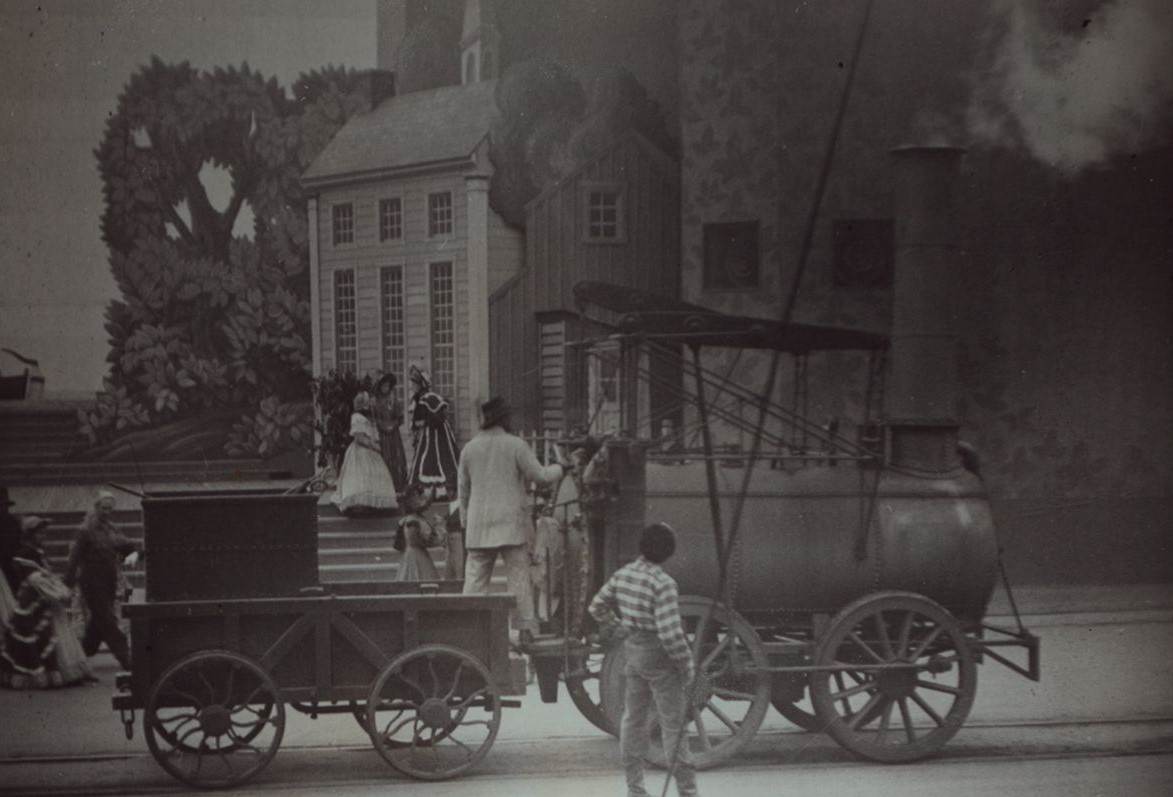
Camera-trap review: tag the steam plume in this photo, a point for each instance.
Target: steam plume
(1076, 100)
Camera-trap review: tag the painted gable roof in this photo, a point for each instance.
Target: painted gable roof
(410, 130)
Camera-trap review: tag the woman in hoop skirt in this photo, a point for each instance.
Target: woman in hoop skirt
(364, 483)
(433, 462)
(388, 413)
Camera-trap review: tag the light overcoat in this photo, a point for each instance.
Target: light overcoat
(494, 468)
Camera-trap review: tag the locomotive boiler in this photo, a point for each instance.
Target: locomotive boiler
(845, 581)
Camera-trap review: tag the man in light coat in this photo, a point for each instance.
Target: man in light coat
(494, 469)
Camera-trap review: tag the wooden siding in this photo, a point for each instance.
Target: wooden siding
(557, 258)
(552, 375)
(506, 251)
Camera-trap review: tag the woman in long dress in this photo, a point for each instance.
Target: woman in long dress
(364, 483)
(388, 411)
(433, 461)
(39, 647)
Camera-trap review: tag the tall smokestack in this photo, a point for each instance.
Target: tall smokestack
(923, 385)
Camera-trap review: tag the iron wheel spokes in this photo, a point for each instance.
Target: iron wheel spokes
(584, 683)
(932, 687)
(443, 742)
(220, 730)
(455, 683)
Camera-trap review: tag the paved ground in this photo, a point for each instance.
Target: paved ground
(1097, 665)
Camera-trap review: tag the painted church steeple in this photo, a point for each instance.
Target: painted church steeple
(480, 43)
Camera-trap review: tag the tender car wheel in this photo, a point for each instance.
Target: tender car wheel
(433, 712)
(214, 719)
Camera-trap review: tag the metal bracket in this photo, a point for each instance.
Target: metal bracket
(1012, 639)
(127, 716)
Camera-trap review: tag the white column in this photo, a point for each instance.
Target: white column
(477, 254)
(315, 287)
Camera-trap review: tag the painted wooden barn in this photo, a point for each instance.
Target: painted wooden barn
(616, 219)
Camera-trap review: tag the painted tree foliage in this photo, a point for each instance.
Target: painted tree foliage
(210, 340)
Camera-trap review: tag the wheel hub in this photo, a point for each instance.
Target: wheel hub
(434, 713)
(897, 683)
(215, 720)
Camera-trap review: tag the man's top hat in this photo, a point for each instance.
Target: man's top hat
(493, 412)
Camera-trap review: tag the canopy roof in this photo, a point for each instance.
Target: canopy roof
(656, 316)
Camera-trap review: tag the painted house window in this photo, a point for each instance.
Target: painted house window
(864, 252)
(390, 219)
(343, 223)
(394, 344)
(732, 260)
(440, 214)
(605, 218)
(443, 306)
(345, 322)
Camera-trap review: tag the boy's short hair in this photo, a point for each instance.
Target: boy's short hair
(657, 542)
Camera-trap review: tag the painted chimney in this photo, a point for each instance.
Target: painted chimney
(922, 400)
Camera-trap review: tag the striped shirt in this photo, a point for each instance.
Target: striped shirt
(645, 599)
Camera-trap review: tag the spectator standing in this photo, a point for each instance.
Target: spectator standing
(94, 563)
(495, 467)
(364, 483)
(642, 600)
(388, 413)
(39, 649)
(433, 459)
(413, 537)
(10, 534)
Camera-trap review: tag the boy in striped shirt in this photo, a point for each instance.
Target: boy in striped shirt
(642, 599)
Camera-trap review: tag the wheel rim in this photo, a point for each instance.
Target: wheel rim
(441, 712)
(214, 719)
(782, 689)
(898, 714)
(732, 693)
(584, 684)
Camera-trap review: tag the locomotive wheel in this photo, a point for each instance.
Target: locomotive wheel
(431, 727)
(584, 683)
(214, 719)
(901, 714)
(786, 689)
(730, 696)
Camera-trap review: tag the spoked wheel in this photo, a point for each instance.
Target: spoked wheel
(359, 710)
(786, 690)
(730, 696)
(910, 710)
(433, 712)
(584, 683)
(214, 719)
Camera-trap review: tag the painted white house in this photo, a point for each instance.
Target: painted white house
(404, 249)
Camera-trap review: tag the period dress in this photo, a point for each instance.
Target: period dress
(388, 419)
(417, 536)
(433, 462)
(39, 648)
(364, 481)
